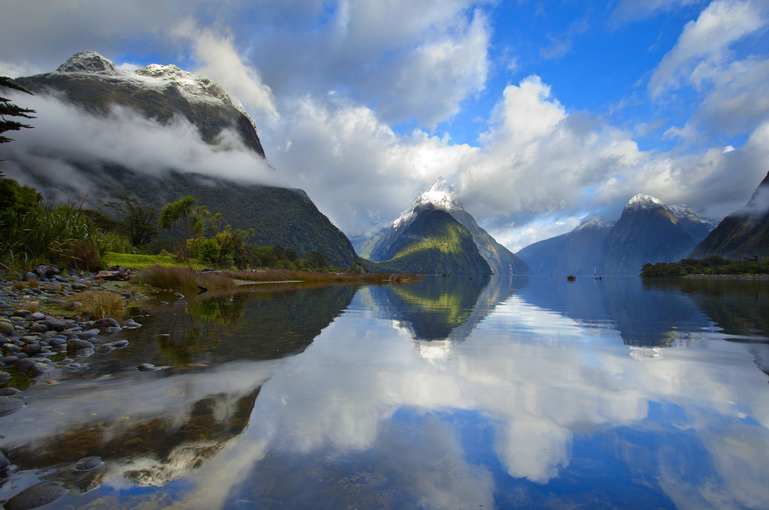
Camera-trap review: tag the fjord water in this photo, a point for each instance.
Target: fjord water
(450, 393)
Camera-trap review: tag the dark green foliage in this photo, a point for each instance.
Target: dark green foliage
(713, 264)
(138, 221)
(209, 251)
(233, 251)
(8, 109)
(315, 259)
(437, 243)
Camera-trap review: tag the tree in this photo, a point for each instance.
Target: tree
(139, 222)
(170, 217)
(8, 109)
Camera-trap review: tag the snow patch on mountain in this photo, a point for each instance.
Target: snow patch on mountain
(594, 221)
(642, 201)
(194, 87)
(439, 195)
(684, 212)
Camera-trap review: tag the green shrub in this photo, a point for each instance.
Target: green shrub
(209, 251)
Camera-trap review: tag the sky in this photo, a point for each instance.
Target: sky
(538, 113)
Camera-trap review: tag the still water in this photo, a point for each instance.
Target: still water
(450, 393)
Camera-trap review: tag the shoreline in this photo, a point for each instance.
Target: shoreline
(727, 276)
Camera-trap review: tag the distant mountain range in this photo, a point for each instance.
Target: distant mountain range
(436, 235)
(647, 231)
(744, 233)
(94, 84)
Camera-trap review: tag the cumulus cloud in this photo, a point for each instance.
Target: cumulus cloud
(64, 136)
(702, 46)
(355, 168)
(221, 62)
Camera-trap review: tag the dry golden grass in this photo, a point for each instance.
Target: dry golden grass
(179, 278)
(19, 285)
(33, 284)
(31, 306)
(284, 275)
(102, 303)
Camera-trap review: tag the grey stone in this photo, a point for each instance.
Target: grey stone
(36, 496)
(37, 369)
(180, 303)
(9, 405)
(119, 344)
(4, 377)
(9, 392)
(37, 316)
(76, 343)
(106, 322)
(31, 349)
(31, 276)
(85, 353)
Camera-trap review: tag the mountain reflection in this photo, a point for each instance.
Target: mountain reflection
(645, 317)
(445, 308)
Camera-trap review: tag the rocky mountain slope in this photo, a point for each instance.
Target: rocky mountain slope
(164, 94)
(386, 241)
(744, 233)
(647, 231)
(435, 243)
(577, 252)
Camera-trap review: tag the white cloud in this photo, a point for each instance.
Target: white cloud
(702, 47)
(64, 134)
(221, 62)
(16, 70)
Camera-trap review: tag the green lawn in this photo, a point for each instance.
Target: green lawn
(142, 261)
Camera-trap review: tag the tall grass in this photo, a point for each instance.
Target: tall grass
(102, 303)
(182, 278)
(48, 235)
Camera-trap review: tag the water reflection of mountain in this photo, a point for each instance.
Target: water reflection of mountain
(147, 450)
(644, 316)
(441, 308)
(242, 325)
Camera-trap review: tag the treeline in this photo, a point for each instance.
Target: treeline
(711, 265)
(34, 231)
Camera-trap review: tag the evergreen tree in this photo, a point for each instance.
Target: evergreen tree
(8, 109)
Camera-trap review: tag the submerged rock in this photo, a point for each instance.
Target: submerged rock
(9, 405)
(36, 496)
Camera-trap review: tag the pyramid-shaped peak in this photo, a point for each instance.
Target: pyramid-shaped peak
(88, 62)
(440, 195)
(642, 201)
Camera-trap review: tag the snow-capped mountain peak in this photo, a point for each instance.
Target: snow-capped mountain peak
(594, 221)
(642, 201)
(89, 62)
(439, 195)
(194, 87)
(684, 212)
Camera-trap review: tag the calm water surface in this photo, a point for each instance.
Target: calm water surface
(451, 393)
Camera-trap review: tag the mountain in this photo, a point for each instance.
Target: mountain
(164, 94)
(382, 244)
(436, 243)
(647, 231)
(744, 233)
(577, 252)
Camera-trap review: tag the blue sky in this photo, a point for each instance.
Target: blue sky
(538, 113)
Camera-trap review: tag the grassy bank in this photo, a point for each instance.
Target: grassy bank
(178, 278)
(142, 261)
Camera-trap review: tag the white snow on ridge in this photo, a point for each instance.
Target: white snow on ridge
(194, 87)
(642, 201)
(683, 211)
(439, 195)
(594, 221)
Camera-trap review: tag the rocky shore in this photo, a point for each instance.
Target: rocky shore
(30, 339)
